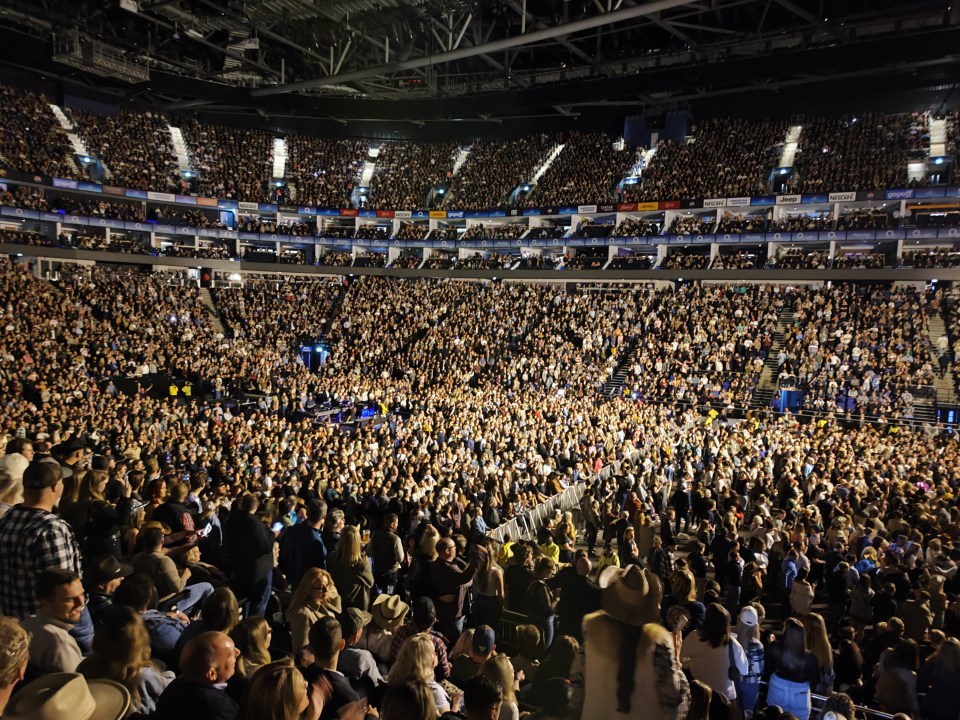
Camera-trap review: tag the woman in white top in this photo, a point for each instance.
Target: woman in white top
(711, 650)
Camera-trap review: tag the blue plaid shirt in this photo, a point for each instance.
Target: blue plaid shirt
(31, 541)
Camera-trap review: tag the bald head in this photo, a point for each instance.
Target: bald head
(209, 658)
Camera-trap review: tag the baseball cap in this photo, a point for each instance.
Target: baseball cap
(352, 620)
(748, 616)
(484, 639)
(43, 473)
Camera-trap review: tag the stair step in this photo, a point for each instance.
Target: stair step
(179, 148)
(279, 158)
(206, 299)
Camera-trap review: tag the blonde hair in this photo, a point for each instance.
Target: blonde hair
(463, 644)
(301, 595)
(683, 587)
(121, 650)
(500, 669)
(252, 638)
(275, 692)
(815, 634)
(428, 543)
(88, 486)
(415, 661)
(14, 651)
(349, 549)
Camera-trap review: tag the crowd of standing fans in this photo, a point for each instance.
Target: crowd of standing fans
(189, 557)
(722, 157)
(847, 153)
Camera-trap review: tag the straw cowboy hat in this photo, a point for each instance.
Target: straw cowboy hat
(389, 611)
(69, 696)
(630, 595)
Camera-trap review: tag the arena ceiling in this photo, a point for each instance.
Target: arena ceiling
(417, 60)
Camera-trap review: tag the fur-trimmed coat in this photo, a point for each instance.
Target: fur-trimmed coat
(661, 691)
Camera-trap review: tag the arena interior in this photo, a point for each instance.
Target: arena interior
(480, 360)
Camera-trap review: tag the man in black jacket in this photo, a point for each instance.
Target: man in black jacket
(326, 642)
(302, 546)
(250, 546)
(207, 663)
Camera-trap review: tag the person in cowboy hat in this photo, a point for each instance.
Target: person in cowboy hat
(632, 664)
(103, 577)
(388, 613)
(69, 696)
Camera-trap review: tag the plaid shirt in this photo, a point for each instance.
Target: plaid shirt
(31, 541)
(439, 644)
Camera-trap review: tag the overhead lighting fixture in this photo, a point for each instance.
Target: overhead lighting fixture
(82, 52)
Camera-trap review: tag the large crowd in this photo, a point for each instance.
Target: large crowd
(135, 147)
(722, 157)
(324, 171)
(494, 169)
(406, 172)
(585, 172)
(725, 157)
(231, 162)
(226, 553)
(868, 152)
(30, 136)
(194, 524)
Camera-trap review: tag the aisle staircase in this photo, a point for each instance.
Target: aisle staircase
(938, 137)
(179, 148)
(767, 383)
(554, 154)
(206, 299)
(79, 148)
(279, 158)
(369, 166)
(462, 154)
(946, 392)
(614, 384)
(790, 143)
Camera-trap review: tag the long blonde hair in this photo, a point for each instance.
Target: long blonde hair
(88, 486)
(121, 650)
(428, 543)
(275, 692)
(415, 661)
(349, 550)
(252, 638)
(301, 595)
(500, 669)
(815, 634)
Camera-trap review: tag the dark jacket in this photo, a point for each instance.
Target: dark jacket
(250, 545)
(301, 548)
(183, 700)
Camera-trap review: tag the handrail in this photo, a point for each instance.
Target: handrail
(529, 523)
